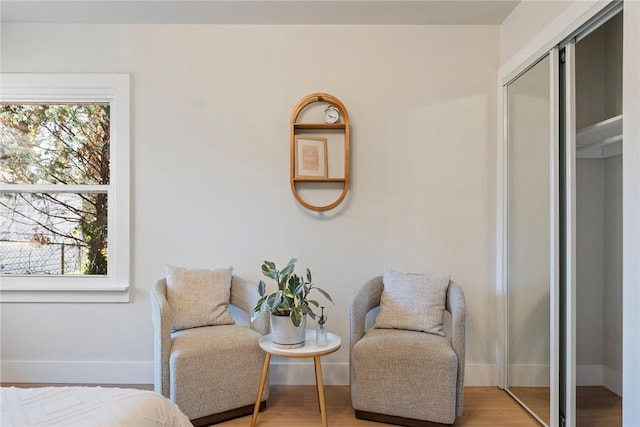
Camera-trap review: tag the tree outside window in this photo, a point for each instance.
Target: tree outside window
(58, 154)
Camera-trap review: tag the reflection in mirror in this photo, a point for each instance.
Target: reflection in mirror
(528, 231)
(599, 231)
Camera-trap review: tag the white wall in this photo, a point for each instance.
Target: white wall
(590, 80)
(590, 236)
(612, 283)
(613, 34)
(599, 74)
(210, 183)
(536, 26)
(524, 23)
(599, 272)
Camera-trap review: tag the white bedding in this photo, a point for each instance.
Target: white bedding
(87, 406)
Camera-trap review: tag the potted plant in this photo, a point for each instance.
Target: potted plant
(289, 305)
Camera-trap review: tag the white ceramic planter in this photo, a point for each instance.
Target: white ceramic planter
(284, 334)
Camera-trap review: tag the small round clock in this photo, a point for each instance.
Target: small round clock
(331, 114)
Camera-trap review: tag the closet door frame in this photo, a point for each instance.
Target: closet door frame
(508, 73)
(567, 23)
(575, 17)
(631, 213)
(554, 240)
(569, 247)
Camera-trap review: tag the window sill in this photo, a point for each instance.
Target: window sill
(61, 289)
(68, 296)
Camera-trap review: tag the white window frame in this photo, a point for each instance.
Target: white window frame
(51, 88)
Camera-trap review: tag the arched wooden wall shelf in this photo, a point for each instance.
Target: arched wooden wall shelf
(298, 128)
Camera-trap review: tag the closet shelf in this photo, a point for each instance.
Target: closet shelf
(603, 139)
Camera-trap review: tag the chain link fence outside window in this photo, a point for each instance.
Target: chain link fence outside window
(20, 257)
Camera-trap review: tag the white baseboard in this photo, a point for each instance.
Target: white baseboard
(529, 375)
(587, 375)
(590, 375)
(612, 379)
(285, 372)
(81, 372)
(476, 375)
(301, 373)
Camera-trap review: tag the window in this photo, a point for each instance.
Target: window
(58, 146)
(64, 187)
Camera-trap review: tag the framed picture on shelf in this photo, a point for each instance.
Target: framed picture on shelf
(311, 157)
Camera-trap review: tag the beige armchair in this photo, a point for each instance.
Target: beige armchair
(406, 377)
(212, 372)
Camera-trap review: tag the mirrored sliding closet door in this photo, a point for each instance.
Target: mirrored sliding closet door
(528, 238)
(563, 229)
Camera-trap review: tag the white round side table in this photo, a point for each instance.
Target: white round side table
(308, 350)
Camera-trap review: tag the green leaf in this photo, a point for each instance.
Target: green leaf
(288, 270)
(292, 285)
(304, 309)
(326, 295)
(309, 276)
(274, 299)
(292, 261)
(314, 302)
(270, 274)
(283, 308)
(267, 274)
(262, 288)
(259, 308)
(296, 316)
(269, 270)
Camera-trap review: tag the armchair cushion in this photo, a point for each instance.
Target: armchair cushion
(405, 374)
(198, 297)
(414, 302)
(214, 369)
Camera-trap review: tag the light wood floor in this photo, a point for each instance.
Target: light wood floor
(297, 406)
(596, 406)
(537, 399)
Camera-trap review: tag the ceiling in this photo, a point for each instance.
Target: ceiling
(351, 12)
